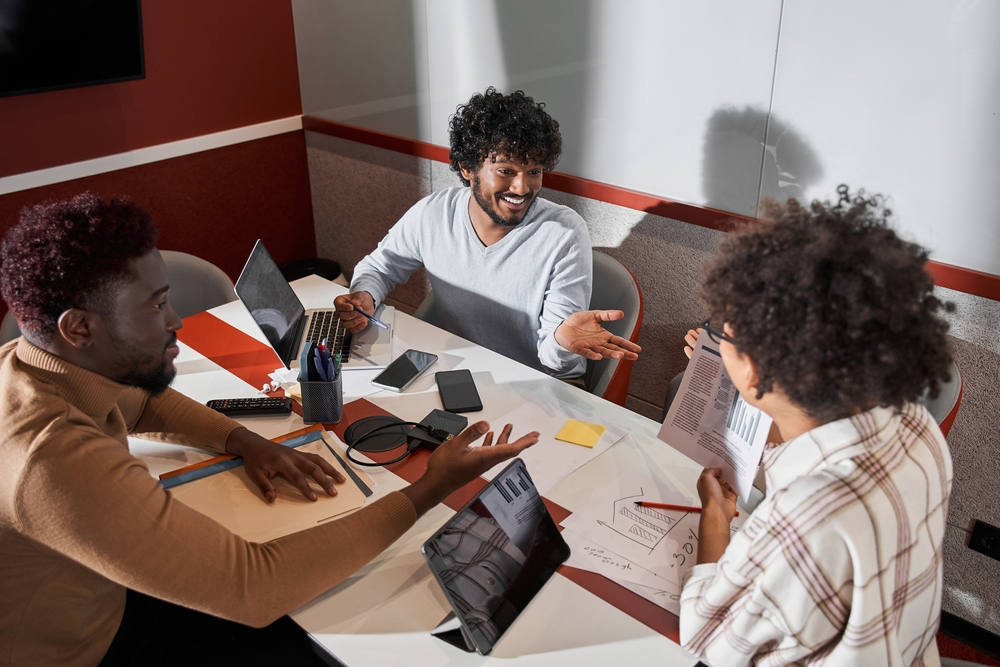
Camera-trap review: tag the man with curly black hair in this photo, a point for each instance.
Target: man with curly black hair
(98, 563)
(829, 324)
(510, 271)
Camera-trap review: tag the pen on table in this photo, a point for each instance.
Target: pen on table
(668, 506)
(371, 318)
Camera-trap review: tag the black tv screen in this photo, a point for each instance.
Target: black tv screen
(52, 44)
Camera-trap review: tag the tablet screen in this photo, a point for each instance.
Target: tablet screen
(495, 554)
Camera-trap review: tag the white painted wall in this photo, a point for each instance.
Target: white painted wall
(674, 98)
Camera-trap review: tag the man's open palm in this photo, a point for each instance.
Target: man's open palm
(583, 334)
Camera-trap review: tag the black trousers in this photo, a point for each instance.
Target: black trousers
(154, 632)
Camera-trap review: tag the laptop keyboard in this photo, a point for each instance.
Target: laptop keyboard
(326, 324)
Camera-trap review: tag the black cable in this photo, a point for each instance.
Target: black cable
(438, 436)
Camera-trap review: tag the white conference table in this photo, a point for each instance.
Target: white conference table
(384, 613)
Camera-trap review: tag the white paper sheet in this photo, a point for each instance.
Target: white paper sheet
(550, 460)
(663, 542)
(710, 423)
(648, 551)
(590, 556)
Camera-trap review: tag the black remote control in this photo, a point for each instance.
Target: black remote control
(248, 407)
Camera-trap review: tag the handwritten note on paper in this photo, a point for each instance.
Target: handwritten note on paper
(664, 542)
(586, 555)
(581, 433)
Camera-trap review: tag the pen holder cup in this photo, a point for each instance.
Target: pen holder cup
(323, 402)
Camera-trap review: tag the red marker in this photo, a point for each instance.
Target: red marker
(667, 506)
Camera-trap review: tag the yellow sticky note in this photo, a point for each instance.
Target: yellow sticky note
(581, 433)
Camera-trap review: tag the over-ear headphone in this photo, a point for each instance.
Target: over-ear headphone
(374, 430)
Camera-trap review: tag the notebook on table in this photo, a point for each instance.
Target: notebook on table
(288, 326)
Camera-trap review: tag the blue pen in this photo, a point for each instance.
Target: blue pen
(320, 366)
(371, 318)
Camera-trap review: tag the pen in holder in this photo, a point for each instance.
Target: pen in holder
(323, 402)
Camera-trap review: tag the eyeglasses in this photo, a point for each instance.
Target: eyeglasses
(716, 335)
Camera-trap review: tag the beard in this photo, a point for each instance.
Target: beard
(490, 209)
(145, 371)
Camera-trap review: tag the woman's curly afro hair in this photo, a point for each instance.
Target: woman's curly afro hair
(832, 306)
(61, 255)
(512, 125)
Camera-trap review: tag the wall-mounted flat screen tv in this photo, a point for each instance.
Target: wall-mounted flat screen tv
(53, 44)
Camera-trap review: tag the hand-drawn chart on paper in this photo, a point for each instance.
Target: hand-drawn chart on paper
(664, 542)
(647, 538)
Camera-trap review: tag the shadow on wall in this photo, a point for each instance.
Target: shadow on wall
(545, 58)
(736, 142)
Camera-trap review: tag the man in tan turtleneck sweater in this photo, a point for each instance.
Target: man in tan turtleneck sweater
(90, 543)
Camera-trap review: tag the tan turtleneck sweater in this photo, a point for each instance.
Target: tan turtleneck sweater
(81, 519)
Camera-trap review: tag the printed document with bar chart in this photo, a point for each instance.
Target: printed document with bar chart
(710, 423)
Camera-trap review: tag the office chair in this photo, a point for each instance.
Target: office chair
(9, 329)
(195, 284)
(944, 408)
(615, 288)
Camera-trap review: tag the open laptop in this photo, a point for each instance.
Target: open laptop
(288, 326)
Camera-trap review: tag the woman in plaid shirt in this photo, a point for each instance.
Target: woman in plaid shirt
(830, 326)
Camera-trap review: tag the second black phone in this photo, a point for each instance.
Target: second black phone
(458, 391)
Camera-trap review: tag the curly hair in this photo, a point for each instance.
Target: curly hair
(832, 306)
(63, 254)
(511, 125)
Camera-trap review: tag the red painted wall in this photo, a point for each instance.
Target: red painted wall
(210, 66)
(213, 204)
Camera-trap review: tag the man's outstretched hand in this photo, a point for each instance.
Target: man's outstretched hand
(583, 334)
(456, 463)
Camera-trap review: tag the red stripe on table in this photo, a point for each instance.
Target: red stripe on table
(251, 361)
(244, 356)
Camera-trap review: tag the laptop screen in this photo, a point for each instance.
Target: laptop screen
(271, 301)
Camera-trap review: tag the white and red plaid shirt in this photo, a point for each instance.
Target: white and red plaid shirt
(841, 564)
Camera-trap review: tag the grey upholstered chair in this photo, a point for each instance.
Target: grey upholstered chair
(195, 284)
(615, 288)
(9, 330)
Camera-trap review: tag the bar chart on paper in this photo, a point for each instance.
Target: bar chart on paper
(743, 420)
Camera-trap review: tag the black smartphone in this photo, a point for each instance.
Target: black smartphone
(458, 391)
(404, 369)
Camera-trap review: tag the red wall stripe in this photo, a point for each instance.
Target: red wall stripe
(953, 277)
